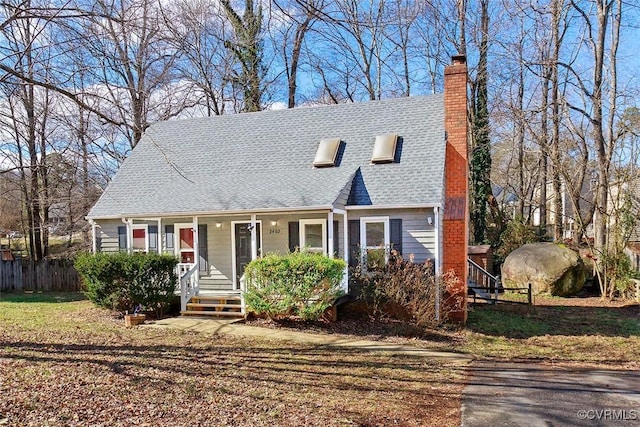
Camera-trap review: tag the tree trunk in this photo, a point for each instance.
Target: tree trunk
(558, 193)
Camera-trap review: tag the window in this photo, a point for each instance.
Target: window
(140, 238)
(374, 241)
(313, 235)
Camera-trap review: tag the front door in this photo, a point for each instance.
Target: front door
(243, 246)
(185, 247)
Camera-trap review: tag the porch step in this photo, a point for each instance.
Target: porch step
(219, 307)
(214, 306)
(207, 299)
(199, 313)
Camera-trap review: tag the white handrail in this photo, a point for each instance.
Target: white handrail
(188, 285)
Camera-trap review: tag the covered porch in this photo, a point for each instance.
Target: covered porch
(214, 249)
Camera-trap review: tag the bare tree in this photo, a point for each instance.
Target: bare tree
(247, 48)
(132, 64)
(598, 90)
(25, 118)
(294, 19)
(197, 30)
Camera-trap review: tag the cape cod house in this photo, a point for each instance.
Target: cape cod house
(342, 179)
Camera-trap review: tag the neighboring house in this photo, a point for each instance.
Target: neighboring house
(630, 193)
(632, 190)
(570, 221)
(341, 180)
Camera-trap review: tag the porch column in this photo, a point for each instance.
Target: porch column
(196, 255)
(162, 245)
(330, 236)
(345, 251)
(129, 223)
(254, 238)
(94, 245)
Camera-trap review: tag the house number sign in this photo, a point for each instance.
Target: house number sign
(274, 231)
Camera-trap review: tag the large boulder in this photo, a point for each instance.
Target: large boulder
(550, 268)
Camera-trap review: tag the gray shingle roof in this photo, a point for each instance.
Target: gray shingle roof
(262, 161)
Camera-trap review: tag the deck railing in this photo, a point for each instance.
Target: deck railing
(482, 280)
(486, 286)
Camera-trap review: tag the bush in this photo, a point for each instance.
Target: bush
(300, 283)
(516, 234)
(401, 289)
(119, 281)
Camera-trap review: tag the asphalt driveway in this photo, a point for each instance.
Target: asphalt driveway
(540, 394)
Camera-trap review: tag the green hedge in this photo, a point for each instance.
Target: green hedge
(119, 281)
(304, 284)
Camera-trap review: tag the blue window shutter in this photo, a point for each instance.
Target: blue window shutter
(354, 242)
(122, 238)
(153, 238)
(294, 236)
(168, 231)
(395, 235)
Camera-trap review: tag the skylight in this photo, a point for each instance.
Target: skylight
(384, 149)
(327, 152)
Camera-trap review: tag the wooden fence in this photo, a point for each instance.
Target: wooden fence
(46, 276)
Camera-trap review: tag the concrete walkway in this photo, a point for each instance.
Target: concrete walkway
(234, 327)
(535, 394)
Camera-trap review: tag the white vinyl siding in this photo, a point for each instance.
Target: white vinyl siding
(418, 237)
(274, 238)
(107, 235)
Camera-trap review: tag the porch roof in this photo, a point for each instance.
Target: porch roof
(264, 161)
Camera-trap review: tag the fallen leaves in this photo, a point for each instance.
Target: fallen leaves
(81, 367)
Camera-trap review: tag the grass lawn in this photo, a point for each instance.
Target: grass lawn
(64, 362)
(586, 331)
(561, 330)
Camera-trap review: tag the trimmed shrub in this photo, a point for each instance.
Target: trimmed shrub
(304, 284)
(119, 281)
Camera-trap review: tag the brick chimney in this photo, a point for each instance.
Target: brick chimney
(456, 211)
